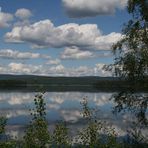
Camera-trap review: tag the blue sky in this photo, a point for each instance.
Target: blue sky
(59, 37)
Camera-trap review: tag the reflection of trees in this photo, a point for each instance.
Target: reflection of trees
(131, 61)
(131, 65)
(136, 103)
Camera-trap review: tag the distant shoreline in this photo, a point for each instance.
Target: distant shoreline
(84, 84)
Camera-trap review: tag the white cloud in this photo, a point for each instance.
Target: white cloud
(53, 62)
(71, 115)
(99, 70)
(22, 23)
(23, 68)
(14, 98)
(82, 71)
(5, 18)
(16, 54)
(88, 8)
(58, 70)
(19, 68)
(76, 53)
(106, 41)
(3, 69)
(23, 13)
(44, 34)
(16, 113)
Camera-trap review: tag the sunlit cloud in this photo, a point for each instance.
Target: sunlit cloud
(23, 13)
(54, 70)
(16, 54)
(44, 34)
(5, 19)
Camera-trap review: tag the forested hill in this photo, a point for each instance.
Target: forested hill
(49, 79)
(88, 83)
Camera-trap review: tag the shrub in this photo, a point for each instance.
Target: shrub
(37, 134)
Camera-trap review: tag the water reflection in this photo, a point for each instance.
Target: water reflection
(135, 103)
(63, 106)
(17, 104)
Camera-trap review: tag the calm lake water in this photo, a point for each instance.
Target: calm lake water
(61, 106)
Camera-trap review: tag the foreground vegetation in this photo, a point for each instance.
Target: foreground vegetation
(95, 134)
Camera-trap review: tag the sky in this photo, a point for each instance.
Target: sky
(59, 37)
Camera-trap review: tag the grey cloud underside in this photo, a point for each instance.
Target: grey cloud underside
(76, 53)
(79, 53)
(74, 13)
(90, 8)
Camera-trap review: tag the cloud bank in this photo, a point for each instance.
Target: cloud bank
(53, 70)
(44, 34)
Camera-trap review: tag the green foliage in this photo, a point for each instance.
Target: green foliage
(91, 135)
(8, 144)
(135, 103)
(3, 122)
(136, 139)
(131, 61)
(131, 52)
(37, 134)
(60, 137)
(5, 143)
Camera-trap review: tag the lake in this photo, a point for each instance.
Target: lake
(62, 106)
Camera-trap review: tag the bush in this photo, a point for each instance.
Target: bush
(37, 134)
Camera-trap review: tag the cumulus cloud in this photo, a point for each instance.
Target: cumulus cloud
(15, 54)
(14, 98)
(83, 70)
(59, 70)
(88, 8)
(20, 68)
(105, 42)
(71, 115)
(44, 34)
(55, 70)
(99, 69)
(76, 53)
(23, 68)
(23, 13)
(53, 62)
(5, 18)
